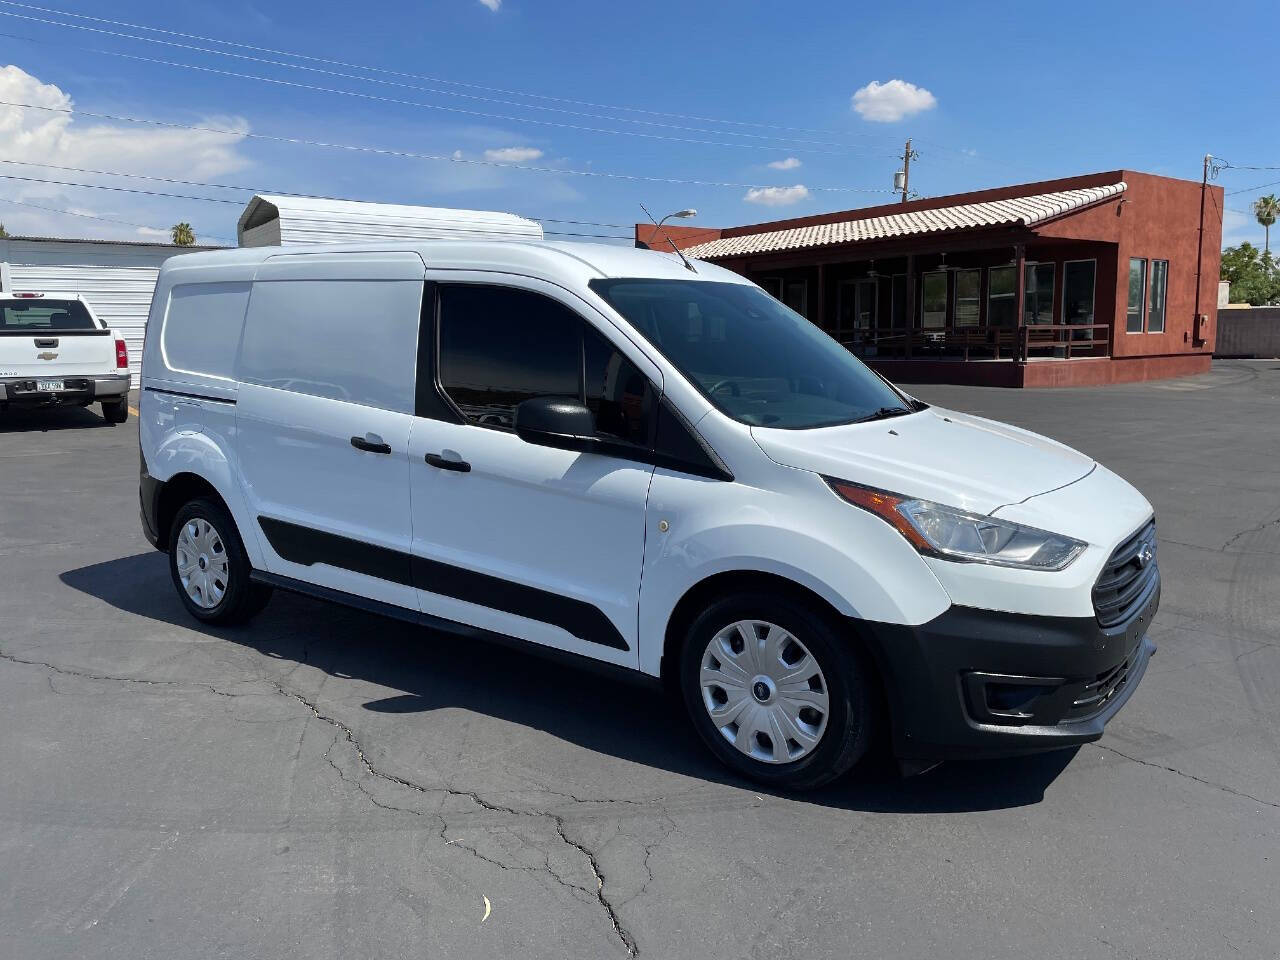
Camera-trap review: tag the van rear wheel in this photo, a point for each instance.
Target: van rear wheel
(776, 692)
(209, 566)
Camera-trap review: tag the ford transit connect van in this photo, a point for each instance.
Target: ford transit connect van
(607, 456)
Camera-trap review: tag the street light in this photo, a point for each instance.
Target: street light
(680, 214)
(657, 226)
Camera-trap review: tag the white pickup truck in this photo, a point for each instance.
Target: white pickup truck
(54, 351)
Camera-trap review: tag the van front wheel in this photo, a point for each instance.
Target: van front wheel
(209, 566)
(775, 692)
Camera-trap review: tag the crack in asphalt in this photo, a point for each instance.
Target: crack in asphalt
(1189, 776)
(1257, 529)
(625, 937)
(623, 934)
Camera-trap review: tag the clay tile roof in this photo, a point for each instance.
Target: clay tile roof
(1016, 211)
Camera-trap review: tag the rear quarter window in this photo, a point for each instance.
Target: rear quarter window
(202, 328)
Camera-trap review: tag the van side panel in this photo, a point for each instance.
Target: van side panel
(187, 417)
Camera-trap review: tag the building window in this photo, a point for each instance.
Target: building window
(1156, 297)
(1077, 295)
(772, 286)
(1001, 282)
(968, 295)
(1137, 295)
(1038, 307)
(933, 304)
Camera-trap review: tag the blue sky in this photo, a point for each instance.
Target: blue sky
(991, 93)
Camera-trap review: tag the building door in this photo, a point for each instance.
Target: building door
(857, 309)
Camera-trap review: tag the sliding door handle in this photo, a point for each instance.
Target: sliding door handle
(438, 461)
(370, 443)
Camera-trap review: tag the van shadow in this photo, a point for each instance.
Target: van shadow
(33, 419)
(436, 671)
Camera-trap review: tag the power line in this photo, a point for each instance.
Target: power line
(780, 142)
(92, 216)
(397, 101)
(415, 76)
(103, 186)
(1258, 186)
(413, 155)
(246, 189)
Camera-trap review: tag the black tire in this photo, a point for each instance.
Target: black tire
(115, 411)
(851, 702)
(241, 598)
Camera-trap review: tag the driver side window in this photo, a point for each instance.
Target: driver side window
(500, 346)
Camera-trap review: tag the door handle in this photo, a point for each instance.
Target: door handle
(438, 461)
(370, 445)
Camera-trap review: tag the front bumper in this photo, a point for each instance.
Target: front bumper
(22, 392)
(983, 683)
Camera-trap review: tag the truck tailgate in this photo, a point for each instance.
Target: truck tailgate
(58, 353)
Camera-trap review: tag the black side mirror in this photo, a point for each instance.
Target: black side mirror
(556, 422)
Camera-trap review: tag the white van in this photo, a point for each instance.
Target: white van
(607, 456)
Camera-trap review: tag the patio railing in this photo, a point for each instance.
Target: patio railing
(981, 343)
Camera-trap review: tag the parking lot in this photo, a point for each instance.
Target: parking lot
(325, 783)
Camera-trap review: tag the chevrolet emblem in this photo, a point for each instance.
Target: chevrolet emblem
(47, 355)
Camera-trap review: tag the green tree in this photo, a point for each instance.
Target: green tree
(1253, 275)
(182, 234)
(1265, 209)
(3, 232)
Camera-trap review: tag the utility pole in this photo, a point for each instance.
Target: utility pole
(1204, 188)
(903, 181)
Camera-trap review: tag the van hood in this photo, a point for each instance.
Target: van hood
(952, 458)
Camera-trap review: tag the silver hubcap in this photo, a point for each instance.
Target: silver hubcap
(202, 563)
(764, 691)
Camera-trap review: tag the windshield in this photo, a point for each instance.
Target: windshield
(756, 360)
(41, 315)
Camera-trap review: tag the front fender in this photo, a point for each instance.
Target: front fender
(795, 528)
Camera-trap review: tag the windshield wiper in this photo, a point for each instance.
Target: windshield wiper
(884, 413)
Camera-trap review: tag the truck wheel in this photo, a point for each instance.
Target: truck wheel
(115, 411)
(209, 566)
(776, 692)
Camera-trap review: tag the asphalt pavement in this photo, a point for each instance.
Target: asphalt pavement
(329, 784)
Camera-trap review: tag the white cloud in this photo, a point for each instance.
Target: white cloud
(513, 154)
(60, 139)
(153, 232)
(492, 4)
(892, 101)
(776, 196)
(788, 164)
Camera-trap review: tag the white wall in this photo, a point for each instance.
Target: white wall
(116, 278)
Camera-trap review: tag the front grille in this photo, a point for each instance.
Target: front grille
(1124, 580)
(1098, 692)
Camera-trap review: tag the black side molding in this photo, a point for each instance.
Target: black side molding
(189, 396)
(575, 660)
(306, 546)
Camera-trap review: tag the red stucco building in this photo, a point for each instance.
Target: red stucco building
(1102, 278)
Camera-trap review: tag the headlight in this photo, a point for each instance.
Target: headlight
(952, 534)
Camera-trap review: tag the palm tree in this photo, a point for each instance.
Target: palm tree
(1266, 209)
(184, 236)
(3, 232)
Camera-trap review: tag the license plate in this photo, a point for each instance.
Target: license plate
(49, 385)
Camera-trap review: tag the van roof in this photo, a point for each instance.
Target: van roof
(550, 258)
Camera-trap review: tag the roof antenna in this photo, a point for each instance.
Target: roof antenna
(658, 223)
